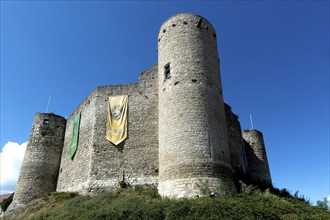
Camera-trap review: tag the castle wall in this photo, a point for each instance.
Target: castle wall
(135, 160)
(38, 175)
(193, 143)
(74, 175)
(236, 147)
(257, 157)
(98, 164)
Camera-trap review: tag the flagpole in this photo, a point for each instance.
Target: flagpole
(251, 121)
(48, 103)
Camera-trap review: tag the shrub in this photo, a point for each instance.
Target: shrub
(5, 203)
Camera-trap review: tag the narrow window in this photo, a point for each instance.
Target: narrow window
(167, 71)
(198, 23)
(46, 122)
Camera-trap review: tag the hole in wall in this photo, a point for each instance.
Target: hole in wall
(167, 71)
(185, 22)
(176, 83)
(214, 35)
(164, 30)
(194, 80)
(173, 25)
(206, 27)
(199, 22)
(46, 121)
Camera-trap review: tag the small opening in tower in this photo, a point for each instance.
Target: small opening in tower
(173, 25)
(214, 35)
(185, 22)
(167, 71)
(199, 22)
(46, 122)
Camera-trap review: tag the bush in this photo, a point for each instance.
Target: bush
(6, 202)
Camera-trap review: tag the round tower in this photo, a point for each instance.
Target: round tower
(193, 143)
(39, 171)
(257, 157)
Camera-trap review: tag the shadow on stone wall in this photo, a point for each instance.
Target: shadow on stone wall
(257, 172)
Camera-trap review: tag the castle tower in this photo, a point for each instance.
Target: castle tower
(257, 157)
(193, 143)
(39, 171)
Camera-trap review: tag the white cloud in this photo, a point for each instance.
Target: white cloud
(11, 159)
(328, 199)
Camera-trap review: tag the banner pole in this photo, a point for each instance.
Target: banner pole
(48, 103)
(251, 121)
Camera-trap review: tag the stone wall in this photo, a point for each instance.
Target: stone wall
(135, 160)
(193, 143)
(74, 175)
(38, 175)
(236, 146)
(98, 164)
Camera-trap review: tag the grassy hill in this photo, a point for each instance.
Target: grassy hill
(145, 203)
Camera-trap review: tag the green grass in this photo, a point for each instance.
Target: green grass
(145, 203)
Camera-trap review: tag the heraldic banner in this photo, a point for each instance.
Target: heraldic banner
(117, 119)
(75, 134)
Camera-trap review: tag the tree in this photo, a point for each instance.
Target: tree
(323, 204)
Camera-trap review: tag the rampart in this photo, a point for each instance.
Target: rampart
(98, 164)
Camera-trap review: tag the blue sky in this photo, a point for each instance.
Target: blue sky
(274, 65)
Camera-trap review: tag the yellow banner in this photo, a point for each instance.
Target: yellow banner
(117, 119)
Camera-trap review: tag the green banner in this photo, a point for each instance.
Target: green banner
(75, 135)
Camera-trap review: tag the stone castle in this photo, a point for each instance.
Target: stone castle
(180, 131)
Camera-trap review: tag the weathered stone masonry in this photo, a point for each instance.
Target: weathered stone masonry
(193, 142)
(39, 171)
(180, 132)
